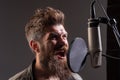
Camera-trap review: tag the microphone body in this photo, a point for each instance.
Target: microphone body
(94, 42)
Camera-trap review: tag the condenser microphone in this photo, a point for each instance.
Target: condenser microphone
(94, 39)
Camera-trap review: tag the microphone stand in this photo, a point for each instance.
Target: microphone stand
(96, 57)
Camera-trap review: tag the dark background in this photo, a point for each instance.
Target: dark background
(15, 54)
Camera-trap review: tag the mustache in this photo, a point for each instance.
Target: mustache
(59, 47)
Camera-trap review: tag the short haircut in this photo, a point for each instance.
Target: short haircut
(42, 19)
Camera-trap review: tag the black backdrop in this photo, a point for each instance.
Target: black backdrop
(15, 54)
(113, 66)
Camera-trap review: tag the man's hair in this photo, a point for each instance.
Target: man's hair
(42, 19)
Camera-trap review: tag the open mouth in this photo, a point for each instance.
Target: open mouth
(60, 54)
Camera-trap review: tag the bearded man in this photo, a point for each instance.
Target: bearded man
(47, 38)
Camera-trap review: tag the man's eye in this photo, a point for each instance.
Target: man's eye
(53, 37)
(64, 36)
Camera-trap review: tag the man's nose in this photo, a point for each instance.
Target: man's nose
(61, 41)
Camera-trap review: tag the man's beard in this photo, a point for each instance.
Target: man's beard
(59, 69)
(55, 68)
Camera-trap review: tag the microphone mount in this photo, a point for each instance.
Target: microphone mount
(104, 20)
(95, 21)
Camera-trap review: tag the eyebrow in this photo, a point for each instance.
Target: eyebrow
(58, 33)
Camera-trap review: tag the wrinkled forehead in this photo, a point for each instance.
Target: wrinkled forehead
(59, 29)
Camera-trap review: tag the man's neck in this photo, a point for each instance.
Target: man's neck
(40, 73)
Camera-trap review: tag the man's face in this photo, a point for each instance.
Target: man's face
(54, 44)
(53, 51)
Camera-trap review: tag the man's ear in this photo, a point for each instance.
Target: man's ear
(34, 45)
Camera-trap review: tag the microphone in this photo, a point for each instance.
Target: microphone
(94, 39)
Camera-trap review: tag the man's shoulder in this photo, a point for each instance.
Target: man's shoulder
(18, 76)
(25, 74)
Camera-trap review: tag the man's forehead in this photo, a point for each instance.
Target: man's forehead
(57, 29)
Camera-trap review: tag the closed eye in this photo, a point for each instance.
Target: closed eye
(65, 36)
(53, 36)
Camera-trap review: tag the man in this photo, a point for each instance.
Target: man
(47, 39)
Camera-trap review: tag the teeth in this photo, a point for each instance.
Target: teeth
(61, 53)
